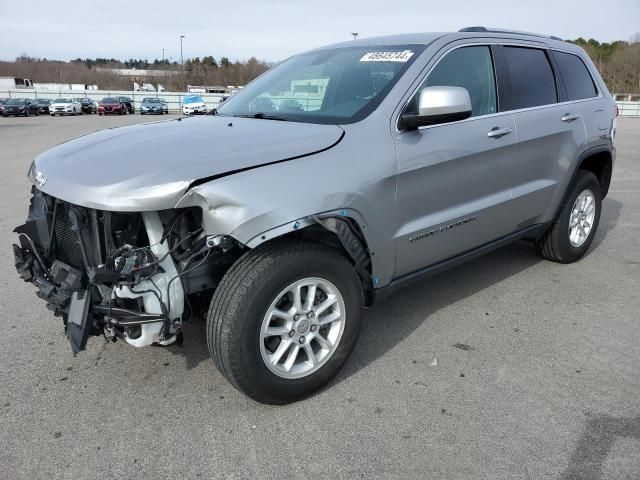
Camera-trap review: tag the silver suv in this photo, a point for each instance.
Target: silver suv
(332, 179)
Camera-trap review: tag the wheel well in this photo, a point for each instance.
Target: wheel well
(344, 235)
(600, 164)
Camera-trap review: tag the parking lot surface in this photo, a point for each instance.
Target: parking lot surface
(508, 367)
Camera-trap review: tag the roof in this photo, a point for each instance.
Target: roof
(428, 37)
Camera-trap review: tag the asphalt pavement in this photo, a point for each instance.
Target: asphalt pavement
(508, 367)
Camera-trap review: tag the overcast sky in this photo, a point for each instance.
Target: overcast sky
(273, 30)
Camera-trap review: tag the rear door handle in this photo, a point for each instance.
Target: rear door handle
(499, 132)
(570, 117)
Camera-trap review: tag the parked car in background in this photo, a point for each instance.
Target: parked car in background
(128, 103)
(65, 106)
(154, 105)
(193, 105)
(20, 106)
(43, 105)
(88, 105)
(111, 105)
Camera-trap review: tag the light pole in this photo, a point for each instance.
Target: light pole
(355, 35)
(182, 60)
(163, 56)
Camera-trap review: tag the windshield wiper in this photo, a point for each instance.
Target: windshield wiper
(266, 116)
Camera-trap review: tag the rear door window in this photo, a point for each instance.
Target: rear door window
(575, 76)
(532, 80)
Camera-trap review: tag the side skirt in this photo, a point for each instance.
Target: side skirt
(531, 232)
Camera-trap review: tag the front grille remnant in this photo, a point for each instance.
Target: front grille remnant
(68, 248)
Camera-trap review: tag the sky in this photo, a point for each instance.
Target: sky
(273, 30)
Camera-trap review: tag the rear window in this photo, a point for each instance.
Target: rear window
(532, 79)
(575, 76)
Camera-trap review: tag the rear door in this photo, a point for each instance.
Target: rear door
(454, 179)
(551, 132)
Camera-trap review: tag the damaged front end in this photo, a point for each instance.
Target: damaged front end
(123, 275)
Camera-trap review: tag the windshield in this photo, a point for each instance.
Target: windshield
(193, 100)
(16, 101)
(332, 86)
(109, 100)
(151, 100)
(62, 100)
(42, 101)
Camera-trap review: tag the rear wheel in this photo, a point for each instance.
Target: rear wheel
(572, 232)
(284, 320)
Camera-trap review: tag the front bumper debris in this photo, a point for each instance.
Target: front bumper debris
(86, 269)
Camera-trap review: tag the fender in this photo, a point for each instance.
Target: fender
(603, 148)
(343, 225)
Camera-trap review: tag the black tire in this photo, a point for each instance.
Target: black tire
(242, 298)
(555, 244)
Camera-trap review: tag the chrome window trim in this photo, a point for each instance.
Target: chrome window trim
(510, 43)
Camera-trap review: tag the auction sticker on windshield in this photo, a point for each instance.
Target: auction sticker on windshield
(387, 56)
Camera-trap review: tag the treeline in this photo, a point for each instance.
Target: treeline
(618, 62)
(95, 71)
(131, 63)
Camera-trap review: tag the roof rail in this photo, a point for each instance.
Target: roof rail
(500, 30)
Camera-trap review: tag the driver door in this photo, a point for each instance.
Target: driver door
(454, 180)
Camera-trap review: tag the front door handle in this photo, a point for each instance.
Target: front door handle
(570, 117)
(499, 132)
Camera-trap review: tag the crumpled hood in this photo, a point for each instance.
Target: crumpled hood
(150, 166)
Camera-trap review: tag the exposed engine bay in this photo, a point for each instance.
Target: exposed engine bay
(132, 276)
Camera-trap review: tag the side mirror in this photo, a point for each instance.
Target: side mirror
(439, 105)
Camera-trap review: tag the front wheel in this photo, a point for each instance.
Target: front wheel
(284, 319)
(572, 232)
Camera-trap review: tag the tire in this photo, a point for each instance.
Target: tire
(238, 313)
(557, 244)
